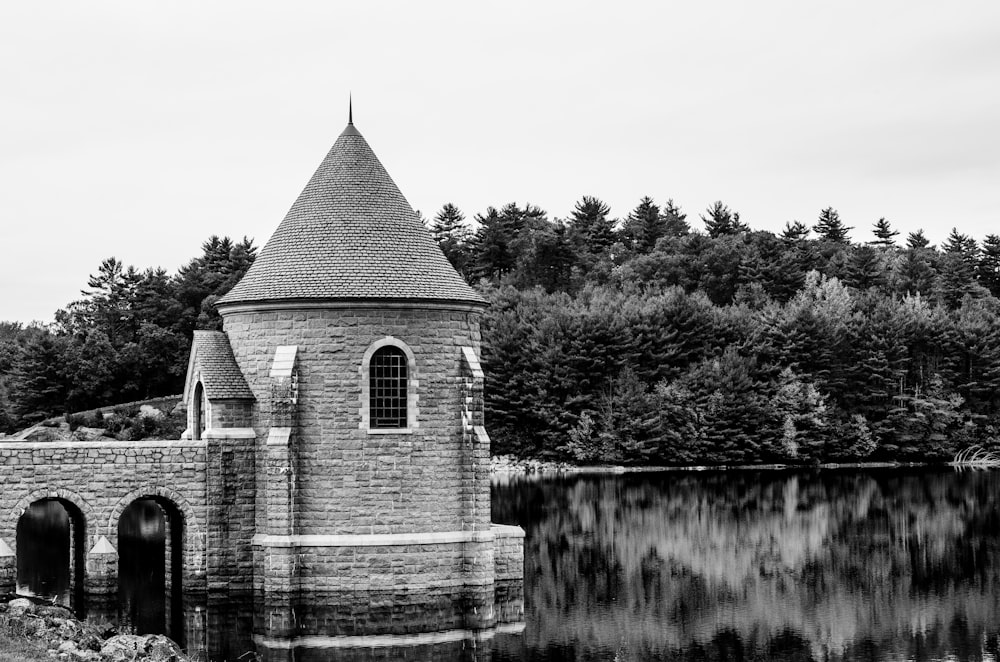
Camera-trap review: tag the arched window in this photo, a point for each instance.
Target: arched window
(388, 383)
(389, 388)
(199, 412)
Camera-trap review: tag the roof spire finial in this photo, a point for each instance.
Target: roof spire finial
(349, 130)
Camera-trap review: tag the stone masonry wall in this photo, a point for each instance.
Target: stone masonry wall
(347, 481)
(101, 479)
(508, 552)
(230, 414)
(231, 485)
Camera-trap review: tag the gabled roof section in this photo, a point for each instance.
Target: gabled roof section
(212, 358)
(351, 235)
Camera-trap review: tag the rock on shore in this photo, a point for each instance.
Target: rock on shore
(501, 464)
(69, 639)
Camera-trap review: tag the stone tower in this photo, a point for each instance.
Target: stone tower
(350, 349)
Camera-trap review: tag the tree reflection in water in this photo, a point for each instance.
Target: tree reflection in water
(740, 565)
(758, 565)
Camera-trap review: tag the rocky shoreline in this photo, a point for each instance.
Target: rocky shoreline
(508, 464)
(54, 633)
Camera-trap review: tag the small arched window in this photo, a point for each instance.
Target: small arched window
(199, 412)
(388, 383)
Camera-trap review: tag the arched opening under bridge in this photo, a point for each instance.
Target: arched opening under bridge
(51, 552)
(150, 567)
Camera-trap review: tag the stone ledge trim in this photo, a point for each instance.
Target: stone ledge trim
(374, 539)
(387, 640)
(115, 444)
(229, 433)
(358, 304)
(278, 437)
(507, 531)
(362, 585)
(472, 361)
(284, 361)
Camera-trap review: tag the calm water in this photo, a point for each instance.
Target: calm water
(824, 565)
(853, 565)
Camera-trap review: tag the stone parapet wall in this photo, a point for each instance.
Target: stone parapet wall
(99, 479)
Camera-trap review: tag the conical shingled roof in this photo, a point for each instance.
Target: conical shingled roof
(351, 235)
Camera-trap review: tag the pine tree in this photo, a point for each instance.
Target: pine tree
(989, 264)
(963, 245)
(731, 407)
(586, 212)
(38, 388)
(865, 268)
(830, 228)
(601, 236)
(914, 273)
(674, 220)
(590, 226)
(548, 261)
(644, 226)
(958, 267)
(109, 303)
(722, 221)
(452, 235)
(973, 355)
(154, 300)
(795, 231)
(206, 278)
(956, 279)
(917, 240)
(884, 234)
(515, 219)
(492, 256)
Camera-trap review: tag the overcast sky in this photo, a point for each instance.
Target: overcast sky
(138, 129)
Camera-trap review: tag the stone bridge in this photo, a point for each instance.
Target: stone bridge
(96, 481)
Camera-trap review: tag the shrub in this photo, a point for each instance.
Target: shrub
(133, 425)
(95, 419)
(75, 420)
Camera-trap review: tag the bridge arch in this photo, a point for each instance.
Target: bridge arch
(82, 505)
(34, 537)
(193, 546)
(156, 532)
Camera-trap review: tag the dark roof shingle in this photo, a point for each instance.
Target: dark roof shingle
(351, 235)
(221, 378)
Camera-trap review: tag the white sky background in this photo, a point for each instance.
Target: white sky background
(138, 129)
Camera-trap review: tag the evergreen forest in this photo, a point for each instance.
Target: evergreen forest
(641, 340)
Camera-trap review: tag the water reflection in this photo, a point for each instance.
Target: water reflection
(825, 565)
(142, 568)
